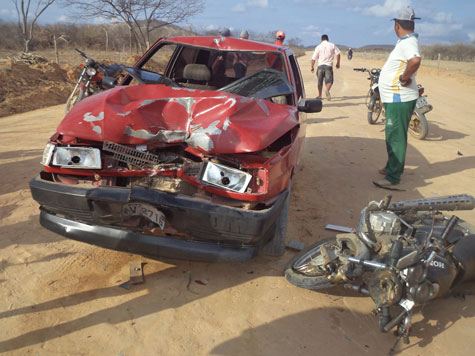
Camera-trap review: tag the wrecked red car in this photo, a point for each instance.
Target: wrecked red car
(191, 156)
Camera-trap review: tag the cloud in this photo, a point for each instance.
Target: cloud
(63, 18)
(7, 13)
(259, 3)
(388, 9)
(428, 29)
(443, 17)
(239, 8)
(471, 35)
(212, 28)
(243, 7)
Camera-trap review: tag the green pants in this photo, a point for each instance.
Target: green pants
(398, 116)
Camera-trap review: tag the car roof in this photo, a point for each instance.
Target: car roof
(225, 43)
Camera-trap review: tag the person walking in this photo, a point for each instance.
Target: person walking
(244, 35)
(325, 53)
(399, 93)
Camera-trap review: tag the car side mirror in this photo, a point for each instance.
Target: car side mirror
(109, 82)
(310, 105)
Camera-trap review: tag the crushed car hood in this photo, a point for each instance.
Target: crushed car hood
(210, 121)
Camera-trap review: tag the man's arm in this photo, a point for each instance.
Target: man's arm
(411, 67)
(338, 60)
(312, 65)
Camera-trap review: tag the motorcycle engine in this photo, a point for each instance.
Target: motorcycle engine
(386, 227)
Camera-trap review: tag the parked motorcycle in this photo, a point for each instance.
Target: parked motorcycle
(401, 255)
(418, 126)
(90, 79)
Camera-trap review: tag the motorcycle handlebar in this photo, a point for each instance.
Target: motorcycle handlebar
(360, 69)
(81, 53)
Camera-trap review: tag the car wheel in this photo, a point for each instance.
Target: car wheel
(276, 246)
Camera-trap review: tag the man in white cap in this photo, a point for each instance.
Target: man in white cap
(399, 93)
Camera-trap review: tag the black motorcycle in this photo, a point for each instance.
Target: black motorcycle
(90, 79)
(418, 126)
(401, 255)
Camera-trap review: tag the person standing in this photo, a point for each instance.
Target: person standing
(244, 35)
(399, 93)
(279, 38)
(325, 53)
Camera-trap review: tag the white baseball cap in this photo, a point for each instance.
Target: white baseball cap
(407, 14)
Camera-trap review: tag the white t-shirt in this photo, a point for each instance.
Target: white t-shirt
(390, 89)
(325, 52)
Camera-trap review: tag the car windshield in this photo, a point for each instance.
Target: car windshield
(265, 83)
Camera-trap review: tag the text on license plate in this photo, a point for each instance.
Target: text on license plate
(147, 211)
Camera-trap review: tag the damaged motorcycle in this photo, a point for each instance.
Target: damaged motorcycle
(402, 255)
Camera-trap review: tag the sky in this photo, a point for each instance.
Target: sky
(353, 23)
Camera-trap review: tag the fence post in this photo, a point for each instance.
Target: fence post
(438, 61)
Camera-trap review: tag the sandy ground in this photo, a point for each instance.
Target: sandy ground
(61, 297)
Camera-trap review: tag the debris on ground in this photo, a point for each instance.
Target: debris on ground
(136, 275)
(295, 245)
(339, 228)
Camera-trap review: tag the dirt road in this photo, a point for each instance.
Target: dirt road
(61, 297)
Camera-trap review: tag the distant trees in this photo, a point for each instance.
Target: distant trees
(141, 16)
(454, 52)
(28, 12)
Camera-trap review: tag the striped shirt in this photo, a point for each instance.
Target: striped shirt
(390, 89)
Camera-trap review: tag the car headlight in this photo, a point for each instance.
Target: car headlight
(77, 157)
(225, 177)
(47, 154)
(91, 71)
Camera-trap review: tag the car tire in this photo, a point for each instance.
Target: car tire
(276, 246)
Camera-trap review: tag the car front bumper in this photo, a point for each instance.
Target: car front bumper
(217, 233)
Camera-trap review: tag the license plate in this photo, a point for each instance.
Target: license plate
(147, 211)
(421, 102)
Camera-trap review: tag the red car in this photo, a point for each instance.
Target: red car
(190, 157)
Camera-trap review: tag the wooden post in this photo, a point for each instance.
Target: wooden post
(56, 49)
(438, 61)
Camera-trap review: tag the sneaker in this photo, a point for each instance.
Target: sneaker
(327, 93)
(382, 171)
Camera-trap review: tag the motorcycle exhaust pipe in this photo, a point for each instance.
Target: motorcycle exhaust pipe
(448, 203)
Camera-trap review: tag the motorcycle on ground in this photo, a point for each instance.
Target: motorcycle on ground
(402, 255)
(418, 126)
(90, 79)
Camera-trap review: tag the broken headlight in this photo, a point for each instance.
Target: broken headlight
(225, 177)
(73, 157)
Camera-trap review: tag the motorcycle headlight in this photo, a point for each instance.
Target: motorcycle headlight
(91, 71)
(77, 157)
(225, 177)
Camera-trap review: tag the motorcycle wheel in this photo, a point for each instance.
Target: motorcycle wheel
(76, 96)
(368, 97)
(311, 253)
(375, 107)
(418, 126)
(276, 246)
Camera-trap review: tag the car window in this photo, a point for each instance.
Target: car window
(267, 83)
(296, 72)
(158, 61)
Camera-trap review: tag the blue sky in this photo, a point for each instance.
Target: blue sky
(348, 22)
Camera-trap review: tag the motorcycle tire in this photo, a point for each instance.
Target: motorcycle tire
(375, 107)
(276, 246)
(301, 280)
(418, 126)
(368, 97)
(76, 96)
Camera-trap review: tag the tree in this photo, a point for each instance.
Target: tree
(140, 16)
(27, 20)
